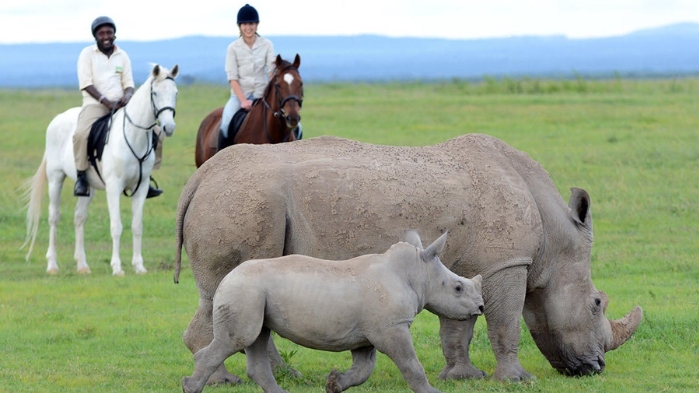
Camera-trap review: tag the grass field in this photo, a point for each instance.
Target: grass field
(633, 145)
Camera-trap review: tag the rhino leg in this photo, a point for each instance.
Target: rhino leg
(397, 344)
(199, 334)
(259, 368)
(363, 362)
(277, 361)
(503, 294)
(206, 362)
(456, 337)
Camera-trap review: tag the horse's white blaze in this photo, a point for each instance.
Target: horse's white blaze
(121, 170)
(289, 79)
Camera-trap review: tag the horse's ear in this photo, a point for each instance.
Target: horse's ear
(279, 61)
(297, 61)
(156, 71)
(175, 70)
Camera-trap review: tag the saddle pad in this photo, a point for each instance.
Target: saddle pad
(99, 134)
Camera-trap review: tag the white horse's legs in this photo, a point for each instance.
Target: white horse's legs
(137, 202)
(79, 221)
(55, 186)
(113, 195)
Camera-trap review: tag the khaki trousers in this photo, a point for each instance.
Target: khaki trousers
(88, 115)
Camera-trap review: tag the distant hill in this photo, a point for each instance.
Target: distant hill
(660, 52)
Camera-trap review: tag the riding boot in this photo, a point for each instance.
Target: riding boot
(153, 191)
(221, 142)
(82, 187)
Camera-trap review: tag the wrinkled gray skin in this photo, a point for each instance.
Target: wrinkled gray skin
(361, 305)
(333, 198)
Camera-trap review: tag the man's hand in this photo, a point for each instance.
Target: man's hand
(124, 100)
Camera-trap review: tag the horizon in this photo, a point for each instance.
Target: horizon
(91, 41)
(664, 52)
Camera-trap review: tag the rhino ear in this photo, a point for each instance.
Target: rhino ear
(413, 238)
(478, 280)
(435, 248)
(579, 205)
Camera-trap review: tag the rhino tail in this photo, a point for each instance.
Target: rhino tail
(186, 197)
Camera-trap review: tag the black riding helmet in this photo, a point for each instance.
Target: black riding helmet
(248, 14)
(101, 21)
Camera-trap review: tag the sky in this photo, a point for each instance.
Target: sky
(47, 21)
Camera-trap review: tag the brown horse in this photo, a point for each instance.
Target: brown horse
(272, 118)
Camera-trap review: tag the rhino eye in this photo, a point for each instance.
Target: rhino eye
(459, 288)
(598, 303)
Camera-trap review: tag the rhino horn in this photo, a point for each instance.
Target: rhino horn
(623, 328)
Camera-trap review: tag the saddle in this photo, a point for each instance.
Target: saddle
(235, 124)
(99, 137)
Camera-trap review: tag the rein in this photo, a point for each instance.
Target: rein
(156, 114)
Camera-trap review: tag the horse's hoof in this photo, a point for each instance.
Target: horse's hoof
(141, 270)
(52, 272)
(118, 273)
(84, 270)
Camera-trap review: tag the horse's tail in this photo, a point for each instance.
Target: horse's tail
(182, 206)
(34, 189)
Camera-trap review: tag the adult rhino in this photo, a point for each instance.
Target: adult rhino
(333, 198)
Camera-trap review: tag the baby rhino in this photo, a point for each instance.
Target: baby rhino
(361, 305)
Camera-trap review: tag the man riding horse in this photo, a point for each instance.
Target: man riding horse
(106, 82)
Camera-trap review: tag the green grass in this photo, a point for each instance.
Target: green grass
(633, 145)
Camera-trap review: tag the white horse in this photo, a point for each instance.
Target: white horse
(127, 162)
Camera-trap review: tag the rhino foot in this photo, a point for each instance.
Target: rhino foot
(512, 374)
(461, 371)
(331, 382)
(189, 386)
(223, 377)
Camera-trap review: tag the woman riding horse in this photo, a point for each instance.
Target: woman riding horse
(246, 60)
(272, 119)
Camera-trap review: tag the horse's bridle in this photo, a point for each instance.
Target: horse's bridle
(156, 114)
(280, 115)
(282, 101)
(156, 111)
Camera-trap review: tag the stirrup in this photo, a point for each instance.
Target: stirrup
(153, 191)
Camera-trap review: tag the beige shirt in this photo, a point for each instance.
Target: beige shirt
(110, 75)
(247, 65)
